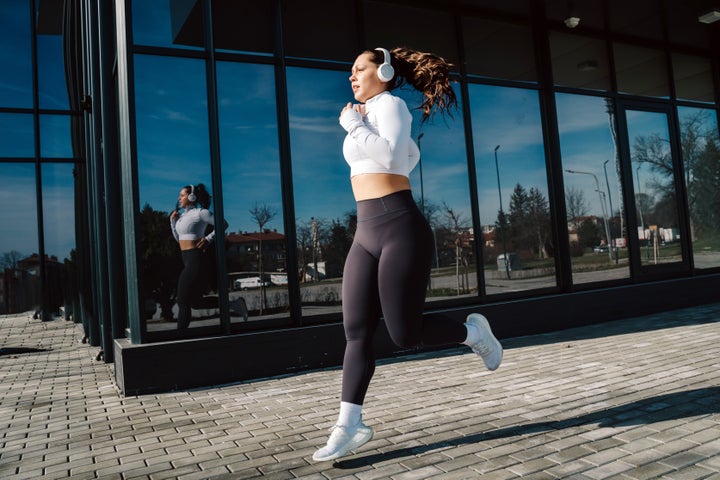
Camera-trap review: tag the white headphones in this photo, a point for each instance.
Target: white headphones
(191, 196)
(385, 72)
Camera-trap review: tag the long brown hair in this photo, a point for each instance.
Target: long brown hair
(425, 72)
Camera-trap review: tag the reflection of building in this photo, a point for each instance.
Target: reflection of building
(243, 249)
(20, 285)
(147, 100)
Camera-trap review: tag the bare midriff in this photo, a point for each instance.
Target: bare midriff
(188, 244)
(375, 185)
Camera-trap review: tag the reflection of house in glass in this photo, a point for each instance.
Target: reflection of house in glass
(243, 252)
(20, 285)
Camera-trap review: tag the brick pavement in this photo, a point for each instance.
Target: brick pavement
(631, 399)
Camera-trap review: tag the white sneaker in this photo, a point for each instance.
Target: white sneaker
(342, 440)
(488, 346)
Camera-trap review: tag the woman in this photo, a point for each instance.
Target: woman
(388, 265)
(189, 229)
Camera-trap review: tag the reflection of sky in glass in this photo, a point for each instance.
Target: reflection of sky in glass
(51, 72)
(320, 175)
(172, 128)
(443, 157)
(508, 117)
(15, 58)
(16, 135)
(248, 143)
(646, 124)
(18, 191)
(152, 23)
(58, 212)
(585, 143)
(55, 136)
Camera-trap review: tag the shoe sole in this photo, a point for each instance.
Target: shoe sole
(481, 322)
(356, 442)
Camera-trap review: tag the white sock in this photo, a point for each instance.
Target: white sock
(473, 335)
(350, 414)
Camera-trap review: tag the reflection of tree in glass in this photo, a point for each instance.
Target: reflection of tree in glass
(529, 222)
(459, 227)
(10, 259)
(701, 161)
(262, 215)
(160, 262)
(575, 205)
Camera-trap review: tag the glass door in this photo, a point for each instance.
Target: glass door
(656, 229)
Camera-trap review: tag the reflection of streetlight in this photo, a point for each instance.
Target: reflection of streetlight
(502, 216)
(639, 198)
(602, 207)
(422, 193)
(607, 183)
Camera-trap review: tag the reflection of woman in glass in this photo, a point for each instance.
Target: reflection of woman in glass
(388, 265)
(189, 230)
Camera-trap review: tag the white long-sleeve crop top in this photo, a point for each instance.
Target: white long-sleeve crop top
(191, 224)
(380, 142)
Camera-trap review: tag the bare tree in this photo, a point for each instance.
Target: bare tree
(262, 215)
(10, 259)
(457, 226)
(575, 205)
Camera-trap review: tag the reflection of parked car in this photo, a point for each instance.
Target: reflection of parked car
(601, 249)
(252, 282)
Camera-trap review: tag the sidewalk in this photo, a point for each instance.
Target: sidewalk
(631, 399)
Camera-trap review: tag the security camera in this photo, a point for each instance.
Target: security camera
(572, 22)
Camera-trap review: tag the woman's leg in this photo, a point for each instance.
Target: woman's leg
(404, 272)
(186, 286)
(361, 313)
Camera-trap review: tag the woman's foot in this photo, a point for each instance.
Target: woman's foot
(342, 440)
(483, 341)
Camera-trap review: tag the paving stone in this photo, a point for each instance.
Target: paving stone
(619, 400)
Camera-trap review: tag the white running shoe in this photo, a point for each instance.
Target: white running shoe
(342, 440)
(488, 346)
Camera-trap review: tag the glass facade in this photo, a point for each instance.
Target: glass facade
(591, 152)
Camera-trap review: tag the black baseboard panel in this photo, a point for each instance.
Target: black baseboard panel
(168, 366)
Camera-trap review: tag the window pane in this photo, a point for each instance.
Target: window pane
(579, 62)
(516, 6)
(641, 71)
(512, 189)
(55, 136)
(654, 181)
(16, 135)
(324, 205)
(51, 72)
(425, 30)
(20, 287)
(593, 193)
(161, 23)
(701, 156)
(693, 78)
(173, 152)
(499, 50)
(329, 19)
(256, 245)
(15, 55)
(590, 12)
(58, 194)
(639, 18)
(246, 26)
(442, 191)
(683, 27)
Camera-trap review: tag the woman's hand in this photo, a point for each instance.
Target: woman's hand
(358, 107)
(202, 244)
(174, 214)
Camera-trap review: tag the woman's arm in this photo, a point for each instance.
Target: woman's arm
(393, 127)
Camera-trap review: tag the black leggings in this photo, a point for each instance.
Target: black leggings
(386, 273)
(190, 285)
